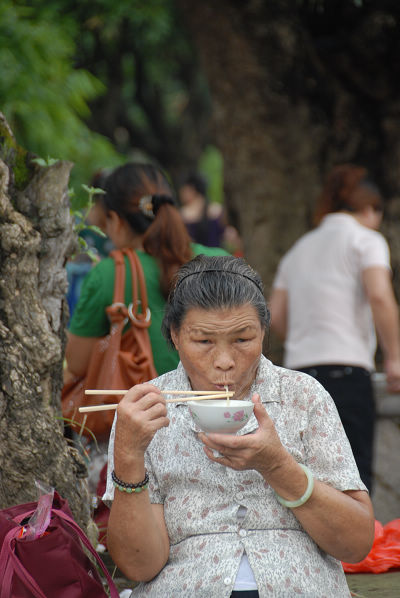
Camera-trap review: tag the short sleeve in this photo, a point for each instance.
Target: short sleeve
(108, 496)
(154, 488)
(89, 318)
(373, 251)
(328, 451)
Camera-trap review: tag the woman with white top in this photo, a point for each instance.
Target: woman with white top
(332, 289)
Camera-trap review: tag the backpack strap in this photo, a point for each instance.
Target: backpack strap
(140, 318)
(119, 280)
(117, 312)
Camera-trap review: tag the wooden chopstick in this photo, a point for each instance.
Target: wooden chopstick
(98, 408)
(223, 393)
(110, 406)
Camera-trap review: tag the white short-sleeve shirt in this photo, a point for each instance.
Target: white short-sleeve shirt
(329, 317)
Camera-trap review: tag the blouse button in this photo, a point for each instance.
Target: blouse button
(242, 532)
(227, 581)
(239, 496)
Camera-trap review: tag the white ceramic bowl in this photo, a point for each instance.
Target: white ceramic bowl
(219, 416)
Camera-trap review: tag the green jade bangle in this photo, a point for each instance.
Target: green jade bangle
(292, 504)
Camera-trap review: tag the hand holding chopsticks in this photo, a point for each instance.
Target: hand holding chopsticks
(194, 395)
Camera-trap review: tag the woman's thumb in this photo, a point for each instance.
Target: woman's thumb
(259, 410)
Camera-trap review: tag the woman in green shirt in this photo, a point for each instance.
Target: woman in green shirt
(137, 211)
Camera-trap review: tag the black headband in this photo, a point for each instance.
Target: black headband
(218, 270)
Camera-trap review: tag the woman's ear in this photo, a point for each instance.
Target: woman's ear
(114, 218)
(174, 338)
(97, 216)
(117, 229)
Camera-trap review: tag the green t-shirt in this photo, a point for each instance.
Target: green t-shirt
(90, 319)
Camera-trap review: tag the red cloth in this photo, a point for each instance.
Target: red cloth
(385, 551)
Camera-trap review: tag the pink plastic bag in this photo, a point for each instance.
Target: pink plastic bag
(385, 551)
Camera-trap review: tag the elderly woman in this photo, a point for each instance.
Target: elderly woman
(270, 511)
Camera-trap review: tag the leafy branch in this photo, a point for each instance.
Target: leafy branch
(80, 217)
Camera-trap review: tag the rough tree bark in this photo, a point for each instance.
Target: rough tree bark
(36, 237)
(297, 87)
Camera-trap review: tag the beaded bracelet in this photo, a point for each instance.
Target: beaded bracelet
(126, 487)
(291, 504)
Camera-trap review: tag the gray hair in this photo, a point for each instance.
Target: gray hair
(211, 282)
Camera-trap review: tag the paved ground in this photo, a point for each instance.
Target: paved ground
(386, 494)
(383, 585)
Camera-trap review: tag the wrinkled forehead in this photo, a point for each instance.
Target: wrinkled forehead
(221, 319)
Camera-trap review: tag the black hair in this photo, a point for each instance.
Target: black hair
(213, 282)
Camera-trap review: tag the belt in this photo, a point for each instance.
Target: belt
(334, 370)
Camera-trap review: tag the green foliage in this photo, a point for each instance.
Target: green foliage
(81, 217)
(98, 82)
(44, 162)
(43, 96)
(156, 102)
(15, 156)
(211, 164)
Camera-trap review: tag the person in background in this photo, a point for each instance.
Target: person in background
(332, 289)
(205, 220)
(138, 210)
(278, 505)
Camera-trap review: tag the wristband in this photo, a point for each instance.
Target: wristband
(127, 487)
(292, 504)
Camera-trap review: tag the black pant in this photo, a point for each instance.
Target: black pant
(351, 389)
(245, 594)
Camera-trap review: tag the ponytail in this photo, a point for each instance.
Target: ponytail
(168, 240)
(141, 194)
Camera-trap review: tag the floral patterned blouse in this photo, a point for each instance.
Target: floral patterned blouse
(201, 498)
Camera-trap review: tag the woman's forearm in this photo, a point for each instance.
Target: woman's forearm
(342, 524)
(136, 536)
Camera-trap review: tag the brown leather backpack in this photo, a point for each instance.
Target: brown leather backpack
(119, 360)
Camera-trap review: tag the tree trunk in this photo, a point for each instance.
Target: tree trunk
(36, 237)
(266, 142)
(294, 91)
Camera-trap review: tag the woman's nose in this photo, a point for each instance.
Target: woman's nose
(224, 360)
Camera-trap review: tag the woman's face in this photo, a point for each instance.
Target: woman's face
(220, 348)
(116, 228)
(97, 215)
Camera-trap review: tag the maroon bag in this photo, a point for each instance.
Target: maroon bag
(53, 565)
